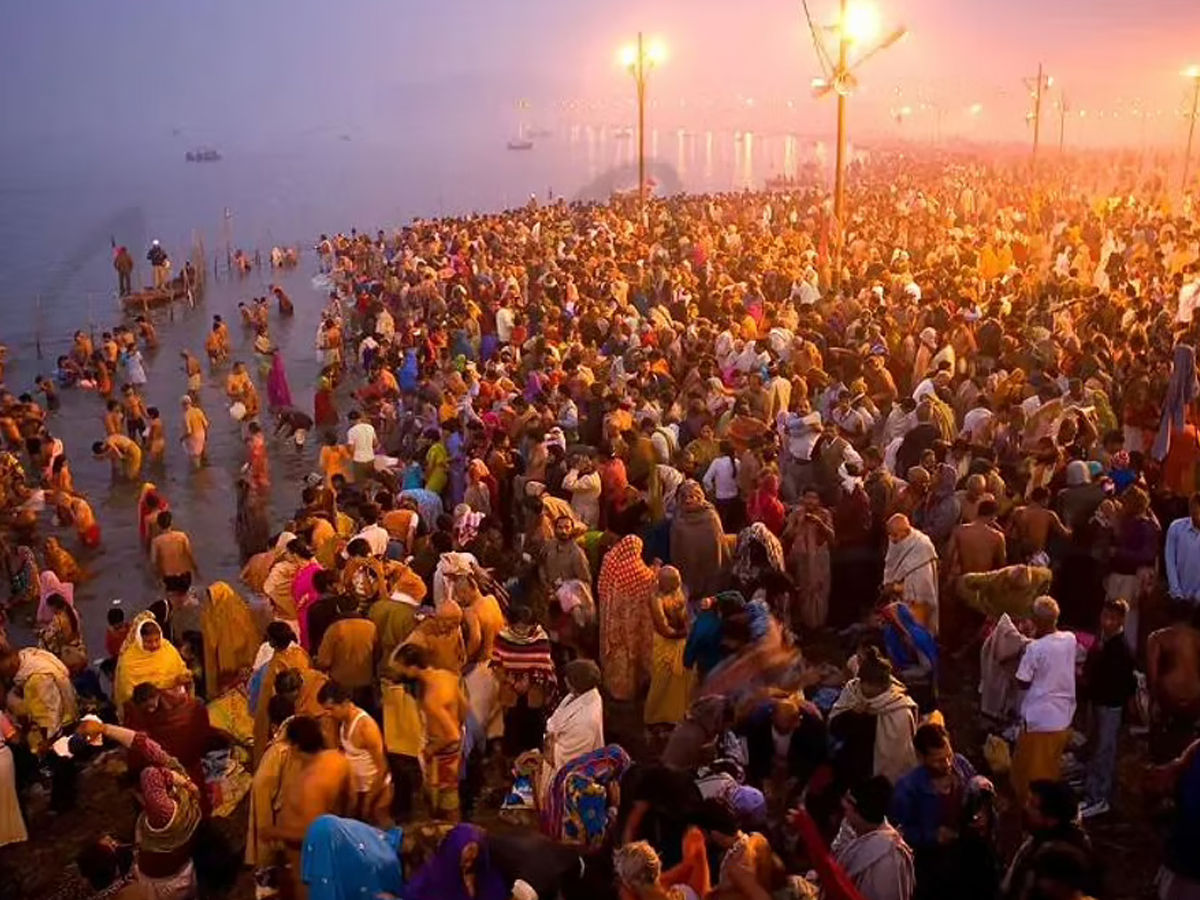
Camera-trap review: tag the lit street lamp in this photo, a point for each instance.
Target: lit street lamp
(857, 24)
(1192, 72)
(639, 59)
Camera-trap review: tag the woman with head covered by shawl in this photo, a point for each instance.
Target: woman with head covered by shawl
(279, 392)
(344, 858)
(758, 565)
(171, 811)
(460, 870)
(671, 682)
(147, 656)
(810, 537)
(625, 588)
(231, 638)
(698, 547)
(765, 506)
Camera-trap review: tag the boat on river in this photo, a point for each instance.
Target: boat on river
(178, 288)
(204, 154)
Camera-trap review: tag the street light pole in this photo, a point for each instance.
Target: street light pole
(839, 177)
(1063, 109)
(1194, 74)
(639, 76)
(1037, 113)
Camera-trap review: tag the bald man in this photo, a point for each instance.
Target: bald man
(910, 570)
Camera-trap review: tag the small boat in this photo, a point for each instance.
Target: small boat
(539, 133)
(151, 298)
(520, 144)
(203, 155)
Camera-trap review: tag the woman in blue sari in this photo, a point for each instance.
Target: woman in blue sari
(913, 652)
(462, 859)
(344, 859)
(577, 807)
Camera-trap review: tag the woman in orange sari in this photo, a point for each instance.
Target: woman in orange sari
(625, 590)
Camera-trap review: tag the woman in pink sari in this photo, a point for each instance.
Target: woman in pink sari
(279, 394)
(304, 591)
(49, 585)
(625, 589)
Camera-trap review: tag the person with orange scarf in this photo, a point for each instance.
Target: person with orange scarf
(625, 589)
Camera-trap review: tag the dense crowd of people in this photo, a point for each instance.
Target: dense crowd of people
(652, 540)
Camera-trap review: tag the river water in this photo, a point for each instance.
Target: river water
(59, 210)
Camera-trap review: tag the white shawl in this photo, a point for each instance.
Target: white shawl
(575, 727)
(42, 673)
(895, 724)
(913, 563)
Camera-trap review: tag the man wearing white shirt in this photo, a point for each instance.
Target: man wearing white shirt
(900, 420)
(362, 442)
(385, 326)
(1189, 296)
(373, 533)
(505, 320)
(721, 482)
(1047, 672)
(930, 385)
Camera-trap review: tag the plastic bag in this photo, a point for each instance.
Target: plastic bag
(998, 755)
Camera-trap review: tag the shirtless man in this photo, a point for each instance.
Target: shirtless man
(445, 709)
(319, 784)
(1173, 677)
(195, 375)
(977, 546)
(147, 332)
(482, 616)
(976, 493)
(171, 555)
(1032, 526)
(114, 418)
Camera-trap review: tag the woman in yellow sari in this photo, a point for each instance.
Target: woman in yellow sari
(437, 465)
(61, 562)
(671, 682)
(943, 417)
(147, 656)
(231, 638)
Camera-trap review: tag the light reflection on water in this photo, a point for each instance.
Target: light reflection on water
(56, 235)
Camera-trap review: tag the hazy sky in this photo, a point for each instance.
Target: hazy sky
(106, 72)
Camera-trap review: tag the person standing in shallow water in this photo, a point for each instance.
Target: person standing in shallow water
(195, 431)
(256, 460)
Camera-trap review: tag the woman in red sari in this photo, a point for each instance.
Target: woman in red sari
(325, 414)
(614, 484)
(765, 505)
(625, 589)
